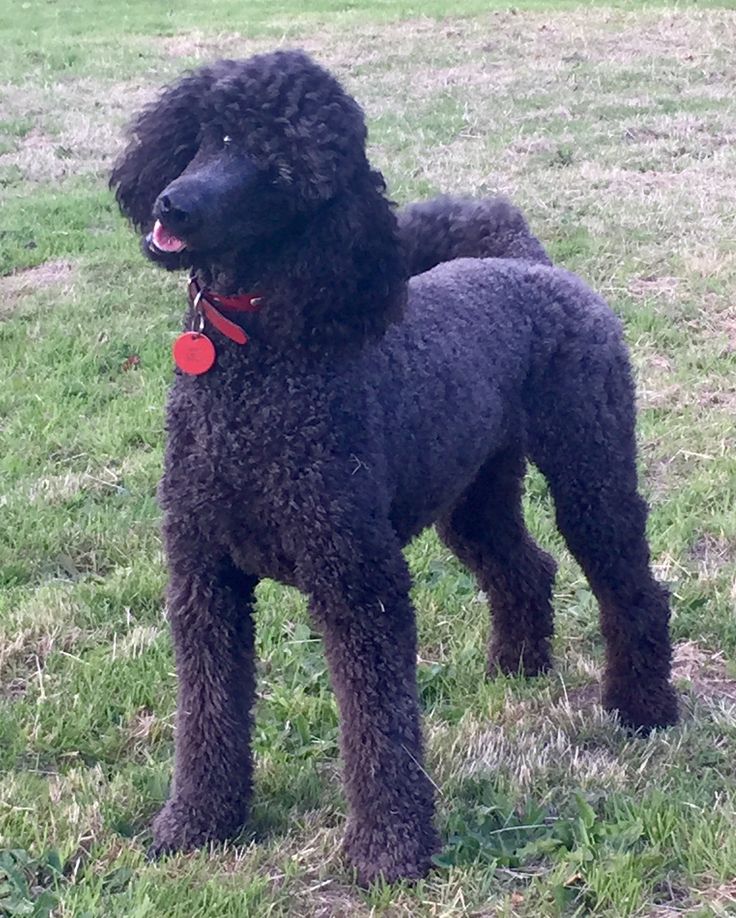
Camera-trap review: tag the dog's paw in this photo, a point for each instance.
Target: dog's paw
(180, 826)
(641, 707)
(390, 853)
(518, 660)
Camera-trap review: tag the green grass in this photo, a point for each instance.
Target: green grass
(612, 126)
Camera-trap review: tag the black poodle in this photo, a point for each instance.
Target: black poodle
(326, 410)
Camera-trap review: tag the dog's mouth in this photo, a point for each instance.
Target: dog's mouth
(162, 240)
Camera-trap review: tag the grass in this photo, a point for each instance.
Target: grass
(612, 126)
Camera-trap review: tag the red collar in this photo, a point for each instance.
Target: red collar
(204, 302)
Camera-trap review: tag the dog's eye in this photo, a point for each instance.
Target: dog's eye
(226, 138)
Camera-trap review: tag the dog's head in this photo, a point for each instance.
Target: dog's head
(237, 151)
(262, 162)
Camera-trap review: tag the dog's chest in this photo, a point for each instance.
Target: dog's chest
(232, 459)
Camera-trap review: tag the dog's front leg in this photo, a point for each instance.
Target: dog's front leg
(209, 605)
(362, 605)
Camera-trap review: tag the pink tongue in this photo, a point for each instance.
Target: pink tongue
(164, 240)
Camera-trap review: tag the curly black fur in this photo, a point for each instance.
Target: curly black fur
(446, 228)
(363, 409)
(306, 139)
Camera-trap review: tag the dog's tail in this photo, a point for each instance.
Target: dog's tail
(445, 228)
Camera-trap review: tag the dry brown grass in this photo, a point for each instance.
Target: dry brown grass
(716, 901)
(492, 63)
(721, 899)
(13, 287)
(23, 656)
(706, 672)
(56, 489)
(77, 126)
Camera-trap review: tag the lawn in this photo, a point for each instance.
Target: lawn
(614, 128)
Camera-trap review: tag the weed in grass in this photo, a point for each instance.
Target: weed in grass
(28, 884)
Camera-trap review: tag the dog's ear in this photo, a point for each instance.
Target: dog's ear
(163, 140)
(346, 281)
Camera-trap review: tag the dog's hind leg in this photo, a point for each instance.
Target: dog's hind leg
(486, 531)
(581, 436)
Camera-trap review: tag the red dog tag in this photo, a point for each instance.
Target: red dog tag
(194, 353)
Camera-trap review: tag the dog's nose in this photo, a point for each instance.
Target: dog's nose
(177, 209)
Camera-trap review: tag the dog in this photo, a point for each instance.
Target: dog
(326, 408)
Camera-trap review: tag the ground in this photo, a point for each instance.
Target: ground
(614, 128)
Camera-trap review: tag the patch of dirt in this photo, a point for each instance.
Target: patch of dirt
(135, 642)
(143, 729)
(534, 741)
(653, 286)
(720, 901)
(58, 273)
(712, 553)
(39, 157)
(656, 387)
(722, 398)
(26, 653)
(13, 689)
(109, 479)
(78, 125)
(27, 648)
(665, 473)
(205, 46)
(55, 489)
(709, 262)
(705, 671)
(584, 697)
(715, 324)
(708, 545)
(142, 724)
